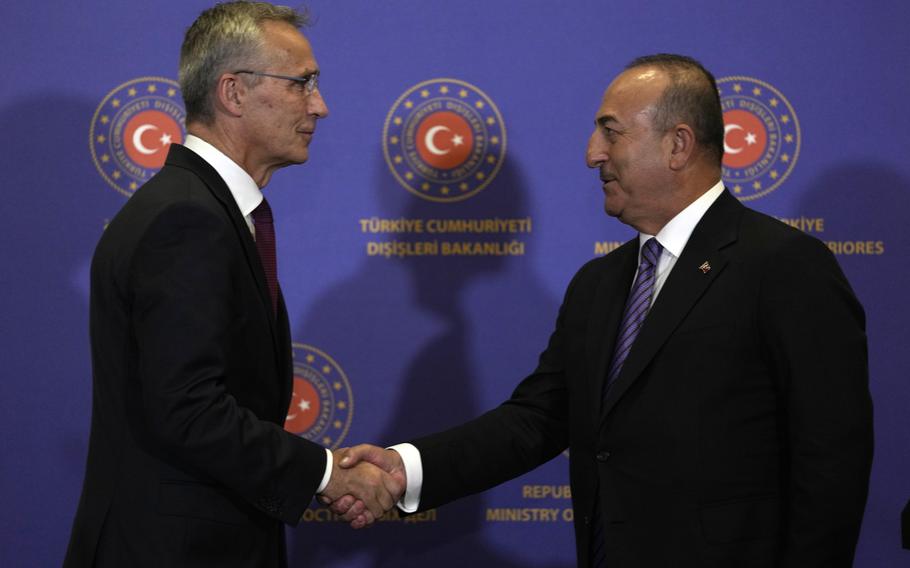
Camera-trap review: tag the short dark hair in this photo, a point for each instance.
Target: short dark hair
(691, 98)
(224, 38)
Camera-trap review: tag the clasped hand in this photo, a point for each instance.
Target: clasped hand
(366, 482)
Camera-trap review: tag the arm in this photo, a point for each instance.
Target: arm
(527, 430)
(814, 330)
(405, 463)
(186, 312)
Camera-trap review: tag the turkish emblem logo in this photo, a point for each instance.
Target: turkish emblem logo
(321, 406)
(761, 136)
(133, 128)
(444, 140)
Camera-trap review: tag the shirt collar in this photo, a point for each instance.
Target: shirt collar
(675, 234)
(244, 190)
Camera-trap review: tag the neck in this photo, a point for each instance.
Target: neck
(231, 145)
(691, 186)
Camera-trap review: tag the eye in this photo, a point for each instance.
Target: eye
(307, 83)
(301, 84)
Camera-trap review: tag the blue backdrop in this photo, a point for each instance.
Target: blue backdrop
(392, 344)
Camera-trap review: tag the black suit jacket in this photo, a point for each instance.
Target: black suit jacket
(739, 430)
(188, 462)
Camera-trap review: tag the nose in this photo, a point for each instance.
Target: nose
(596, 153)
(316, 105)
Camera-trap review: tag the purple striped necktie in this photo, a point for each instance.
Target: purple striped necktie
(633, 317)
(637, 307)
(265, 244)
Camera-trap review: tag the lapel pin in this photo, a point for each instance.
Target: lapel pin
(705, 267)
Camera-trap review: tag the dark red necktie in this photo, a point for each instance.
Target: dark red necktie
(265, 244)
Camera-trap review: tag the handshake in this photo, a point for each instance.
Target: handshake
(366, 482)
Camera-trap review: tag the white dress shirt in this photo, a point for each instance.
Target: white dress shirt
(672, 237)
(675, 234)
(244, 190)
(248, 196)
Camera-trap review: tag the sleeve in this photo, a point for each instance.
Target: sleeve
(413, 469)
(815, 333)
(184, 309)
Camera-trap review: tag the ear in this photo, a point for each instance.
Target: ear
(682, 146)
(230, 92)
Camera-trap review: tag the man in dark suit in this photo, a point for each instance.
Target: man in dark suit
(188, 463)
(709, 376)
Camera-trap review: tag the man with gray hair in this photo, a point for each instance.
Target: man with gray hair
(188, 462)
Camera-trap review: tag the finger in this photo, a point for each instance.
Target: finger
(340, 456)
(399, 473)
(383, 497)
(395, 485)
(363, 520)
(374, 506)
(356, 509)
(363, 452)
(324, 500)
(341, 505)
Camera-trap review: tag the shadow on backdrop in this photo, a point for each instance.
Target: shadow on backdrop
(54, 207)
(464, 301)
(864, 201)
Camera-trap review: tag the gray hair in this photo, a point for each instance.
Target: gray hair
(224, 38)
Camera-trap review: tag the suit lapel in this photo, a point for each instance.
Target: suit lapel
(609, 299)
(685, 285)
(182, 157)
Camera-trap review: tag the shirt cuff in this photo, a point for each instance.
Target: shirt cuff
(413, 468)
(329, 462)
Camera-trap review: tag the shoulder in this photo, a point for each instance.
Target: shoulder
(173, 205)
(172, 191)
(789, 262)
(768, 236)
(592, 273)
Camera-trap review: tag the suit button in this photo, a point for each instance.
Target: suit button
(587, 520)
(602, 456)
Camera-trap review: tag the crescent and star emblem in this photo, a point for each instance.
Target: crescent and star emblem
(761, 136)
(303, 405)
(750, 139)
(444, 140)
(429, 140)
(137, 139)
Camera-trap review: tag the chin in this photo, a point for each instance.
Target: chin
(611, 210)
(299, 158)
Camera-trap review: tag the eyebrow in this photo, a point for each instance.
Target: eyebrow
(607, 118)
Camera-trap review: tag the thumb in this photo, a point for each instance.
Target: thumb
(363, 452)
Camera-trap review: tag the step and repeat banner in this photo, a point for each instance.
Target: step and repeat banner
(424, 248)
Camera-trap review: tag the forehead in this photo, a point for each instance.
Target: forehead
(286, 46)
(631, 94)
